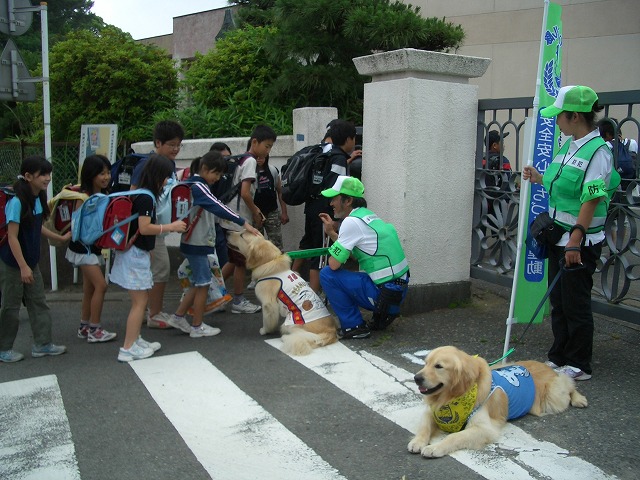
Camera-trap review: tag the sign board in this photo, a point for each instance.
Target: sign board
(13, 21)
(16, 83)
(98, 139)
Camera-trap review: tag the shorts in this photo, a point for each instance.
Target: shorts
(235, 258)
(132, 269)
(80, 259)
(160, 265)
(200, 270)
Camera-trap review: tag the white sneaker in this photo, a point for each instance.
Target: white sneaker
(573, 372)
(252, 285)
(180, 323)
(245, 306)
(136, 352)
(549, 363)
(159, 320)
(204, 330)
(155, 346)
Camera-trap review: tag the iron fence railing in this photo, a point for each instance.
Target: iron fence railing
(497, 197)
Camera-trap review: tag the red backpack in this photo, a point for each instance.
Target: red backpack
(118, 209)
(181, 205)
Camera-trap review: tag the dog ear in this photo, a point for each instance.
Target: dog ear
(466, 373)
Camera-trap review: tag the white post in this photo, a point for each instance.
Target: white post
(47, 124)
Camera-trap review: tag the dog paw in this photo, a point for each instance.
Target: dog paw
(415, 446)
(432, 451)
(263, 331)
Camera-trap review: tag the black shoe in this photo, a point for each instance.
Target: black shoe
(361, 331)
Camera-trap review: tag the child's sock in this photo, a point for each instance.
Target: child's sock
(93, 327)
(237, 299)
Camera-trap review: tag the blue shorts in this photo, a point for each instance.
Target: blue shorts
(200, 270)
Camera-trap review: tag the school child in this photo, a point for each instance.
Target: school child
(260, 145)
(94, 178)
(268, 195)
(20, 276)
(132, 268)
(167, 141)
(199, 242)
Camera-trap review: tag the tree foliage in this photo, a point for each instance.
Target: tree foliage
(236, 69)
(226, 88)
(106, 77)
(315, 41)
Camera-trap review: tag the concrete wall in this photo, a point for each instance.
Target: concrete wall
(601, 42)
(196, 32)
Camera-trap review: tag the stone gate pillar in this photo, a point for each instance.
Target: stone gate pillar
(419, 139)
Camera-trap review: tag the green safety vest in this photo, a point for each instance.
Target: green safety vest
(389, 261)
(564, 180)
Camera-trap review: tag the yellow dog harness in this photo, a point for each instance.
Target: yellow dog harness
(453, 416)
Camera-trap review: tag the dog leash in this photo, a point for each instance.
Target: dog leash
(309, 253)
(563, 268)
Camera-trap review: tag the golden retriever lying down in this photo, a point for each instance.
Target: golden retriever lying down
(283, 293)
(458, 392)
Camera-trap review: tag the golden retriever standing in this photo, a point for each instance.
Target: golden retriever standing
(283, 293)
(460, 398)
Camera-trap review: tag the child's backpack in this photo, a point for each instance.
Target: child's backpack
(303, 175)
(61, 207)
(625, 160)
(224, 189)
(122, 171)
(104, 220)
(175, 202)
(6, 194)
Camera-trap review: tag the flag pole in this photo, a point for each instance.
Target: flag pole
(525, 186)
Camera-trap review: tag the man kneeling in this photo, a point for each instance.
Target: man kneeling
(382, 285)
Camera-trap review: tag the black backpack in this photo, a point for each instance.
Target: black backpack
(122, 171)
(224, 189)
(303, 176)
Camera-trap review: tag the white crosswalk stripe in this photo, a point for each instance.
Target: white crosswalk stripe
(237, 437)
(35, 438)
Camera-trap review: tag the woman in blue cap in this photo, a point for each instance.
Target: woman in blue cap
(580, 181)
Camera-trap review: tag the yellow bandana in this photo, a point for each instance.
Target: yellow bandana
(453, 416)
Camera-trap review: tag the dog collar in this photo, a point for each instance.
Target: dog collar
(452, 417)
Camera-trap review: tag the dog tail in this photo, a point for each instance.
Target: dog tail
(300, 342)
(562, 393)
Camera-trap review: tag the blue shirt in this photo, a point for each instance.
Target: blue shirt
(29, 236)
(517, 383)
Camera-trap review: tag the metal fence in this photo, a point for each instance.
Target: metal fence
(497, 197)
(64, 159)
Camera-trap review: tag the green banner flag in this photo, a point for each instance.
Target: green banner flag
(532, 272)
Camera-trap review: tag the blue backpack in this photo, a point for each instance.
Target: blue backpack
(103, 220)
(625, 160)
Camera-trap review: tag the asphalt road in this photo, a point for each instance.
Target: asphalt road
(167, 418)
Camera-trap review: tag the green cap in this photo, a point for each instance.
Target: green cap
(347, 186)
(572, 98)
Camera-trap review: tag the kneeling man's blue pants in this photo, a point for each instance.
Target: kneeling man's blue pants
(346, 291)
